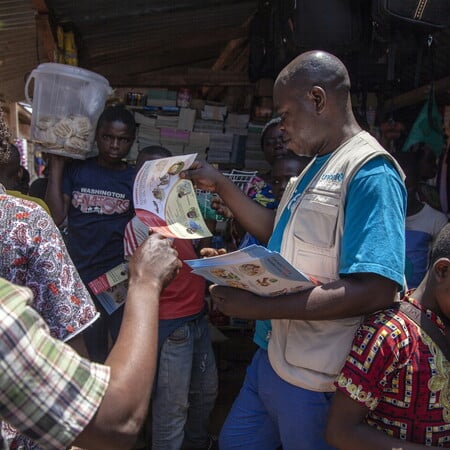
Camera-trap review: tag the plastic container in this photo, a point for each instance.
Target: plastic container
(67, 102)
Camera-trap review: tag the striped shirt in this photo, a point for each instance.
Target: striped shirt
(47, 391)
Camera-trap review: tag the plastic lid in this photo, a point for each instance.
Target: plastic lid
(73, 71)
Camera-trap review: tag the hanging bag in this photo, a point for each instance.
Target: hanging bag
(426, 15)
(336, 26)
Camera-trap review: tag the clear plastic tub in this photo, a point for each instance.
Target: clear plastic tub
(67, 102)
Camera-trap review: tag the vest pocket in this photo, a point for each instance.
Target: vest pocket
(314, 236)
(320, 345)
(317, 219)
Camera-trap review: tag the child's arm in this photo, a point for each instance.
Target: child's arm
(346, 428)
(57, 201)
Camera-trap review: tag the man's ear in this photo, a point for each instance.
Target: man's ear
(441, 268)
(319, 97)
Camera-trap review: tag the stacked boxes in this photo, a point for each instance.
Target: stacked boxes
(229, 139)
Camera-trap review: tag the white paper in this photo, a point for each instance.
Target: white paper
(166, 203)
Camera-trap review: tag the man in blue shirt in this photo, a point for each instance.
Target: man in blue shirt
(349, 235)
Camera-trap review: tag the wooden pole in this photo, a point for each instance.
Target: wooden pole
(417, 95)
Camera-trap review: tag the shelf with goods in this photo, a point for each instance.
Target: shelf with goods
(223, 133)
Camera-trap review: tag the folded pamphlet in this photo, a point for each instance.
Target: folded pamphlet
(166, 203)
(110, 288)
(255, 269)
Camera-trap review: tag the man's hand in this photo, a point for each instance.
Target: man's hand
(219, 205)
(207, 252)
(236, 302)
(155, 260)
(204, 176)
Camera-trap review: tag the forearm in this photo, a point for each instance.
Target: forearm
(54, 196)
(347, 297)
(124, 407)
(253, 217)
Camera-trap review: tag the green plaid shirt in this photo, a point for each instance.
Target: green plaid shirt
(47, 391)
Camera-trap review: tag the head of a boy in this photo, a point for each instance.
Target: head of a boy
(426, 159)
(440, 271)
(115, 133)
(11, 171)
(272, 142)
(283, 169)
(409, 163)
(151, 153)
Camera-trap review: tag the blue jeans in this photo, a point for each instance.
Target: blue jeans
(186, 388)
(270, 412)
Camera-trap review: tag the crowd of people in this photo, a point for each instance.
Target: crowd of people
(359, 360)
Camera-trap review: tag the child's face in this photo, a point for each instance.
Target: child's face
(114, 141)
(411, 180)
(428, 164)
(273, 145)
(282, 171)
(442, 291)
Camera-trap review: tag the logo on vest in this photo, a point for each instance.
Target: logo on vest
(333, 177)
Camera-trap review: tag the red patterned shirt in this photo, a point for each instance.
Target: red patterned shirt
(400, 374)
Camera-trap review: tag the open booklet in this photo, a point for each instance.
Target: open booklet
(255, 269)
(166, 203)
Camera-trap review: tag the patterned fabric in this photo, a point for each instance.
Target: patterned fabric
(259, 191)
(37, 200)
(47, 391)
(399, 373)
(33, 254)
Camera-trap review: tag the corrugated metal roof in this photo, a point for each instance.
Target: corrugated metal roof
(20, 49)
(121, 39)
(151, 42)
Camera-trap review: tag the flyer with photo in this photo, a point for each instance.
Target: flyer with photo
(111, 287)
(166, 203)
(255, 269)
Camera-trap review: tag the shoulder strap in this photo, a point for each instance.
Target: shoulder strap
(421, 319)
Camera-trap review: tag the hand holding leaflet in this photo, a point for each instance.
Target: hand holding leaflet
(255, 269)
(166, 203)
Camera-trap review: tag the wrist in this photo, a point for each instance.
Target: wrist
(146, 283)
(221, 183)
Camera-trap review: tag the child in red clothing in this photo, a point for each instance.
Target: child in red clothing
(186, 381)
(394, 390)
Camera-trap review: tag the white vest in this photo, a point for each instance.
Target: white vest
(310, 354)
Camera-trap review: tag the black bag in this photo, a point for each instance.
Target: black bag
(269, 41)
(336, 26)
(425, 15)
(404, 26)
